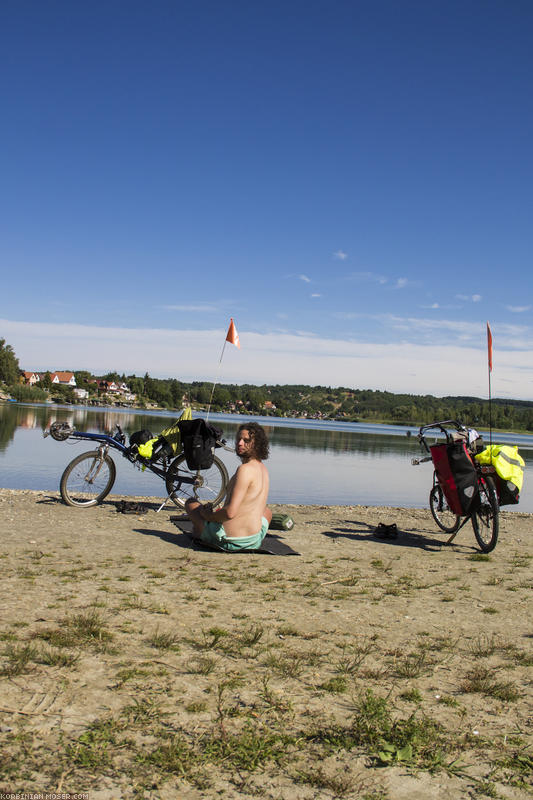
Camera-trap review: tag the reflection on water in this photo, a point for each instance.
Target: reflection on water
(341, 463)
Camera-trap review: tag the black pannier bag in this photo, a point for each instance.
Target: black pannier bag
(199, 440)
(457, 475)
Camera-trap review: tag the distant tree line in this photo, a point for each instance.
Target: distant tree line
(323, 402)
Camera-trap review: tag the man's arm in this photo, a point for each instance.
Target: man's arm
(243, 479)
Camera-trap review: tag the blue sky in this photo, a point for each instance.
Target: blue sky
(350, 181)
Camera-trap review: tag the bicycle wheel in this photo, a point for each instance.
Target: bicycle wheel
(441, 512)
(87, 479)
(486, 519)
(206, 486)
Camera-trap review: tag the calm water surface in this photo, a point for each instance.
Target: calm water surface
(314, 462)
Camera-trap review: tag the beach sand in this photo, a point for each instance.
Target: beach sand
(134, 664)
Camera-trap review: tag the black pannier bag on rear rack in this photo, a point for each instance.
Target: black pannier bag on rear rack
(457, 475)
(199, 440)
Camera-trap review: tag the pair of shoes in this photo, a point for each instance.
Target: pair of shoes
(386, 531)
(128, 507)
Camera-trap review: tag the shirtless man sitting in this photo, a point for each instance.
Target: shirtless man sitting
(242, 522)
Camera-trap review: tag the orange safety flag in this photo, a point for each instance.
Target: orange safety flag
(232, 336)
(489, 346)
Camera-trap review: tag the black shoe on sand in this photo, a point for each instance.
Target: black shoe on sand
(386, 531)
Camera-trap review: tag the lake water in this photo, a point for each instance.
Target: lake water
(311, 462)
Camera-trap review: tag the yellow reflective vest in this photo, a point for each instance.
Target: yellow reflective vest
(507, 462)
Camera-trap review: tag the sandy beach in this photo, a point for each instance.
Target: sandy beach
(136, 665)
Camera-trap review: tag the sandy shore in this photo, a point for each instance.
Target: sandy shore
(135, 665)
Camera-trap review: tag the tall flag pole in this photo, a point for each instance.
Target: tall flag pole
(489, 353)
(233, 338)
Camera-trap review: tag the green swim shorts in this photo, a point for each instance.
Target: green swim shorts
(214, 533)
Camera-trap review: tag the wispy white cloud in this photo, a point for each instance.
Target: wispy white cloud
(518, 309)
(341, 255)
(469, 298)
(304, 278)
(433, 305)
(370, 277)
(192, 308)
(316, 294)
(401, 283)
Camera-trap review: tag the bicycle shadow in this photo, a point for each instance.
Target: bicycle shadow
(408, 537)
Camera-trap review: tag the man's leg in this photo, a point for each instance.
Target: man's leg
(197, 520)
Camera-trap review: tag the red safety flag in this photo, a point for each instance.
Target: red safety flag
(232, 336)
(489, 346)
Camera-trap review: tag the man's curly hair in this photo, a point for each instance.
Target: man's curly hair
(261, 447)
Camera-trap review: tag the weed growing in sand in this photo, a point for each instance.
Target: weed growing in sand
(287, 665)
(339, 784)
(288, 630)
(420, 741)
(484, 645)
(336, 685)
(481, 680)
(352, 657)
(203, 665)
(53, 657)
(91, 750)
(79, 630)
(518, 766)
(18, 658)
(411, 696)
(273, 701)
(196, 708)
(479, 557)
(164, 641)
(489, 610)
(412, 665)
(129, 673)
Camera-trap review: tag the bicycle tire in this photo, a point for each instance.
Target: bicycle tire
(486, 519)
(447, 520)
(209, 484)
(87, 480)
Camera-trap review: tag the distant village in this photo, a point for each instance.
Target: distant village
(104, 392)
(99, 391)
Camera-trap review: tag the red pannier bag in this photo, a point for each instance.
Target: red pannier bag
(457, 475)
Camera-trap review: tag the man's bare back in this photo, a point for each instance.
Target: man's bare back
(244, 513)
(252, 481)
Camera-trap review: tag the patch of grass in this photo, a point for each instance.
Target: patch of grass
(339, 784)
(445, 700)
(130, 673)
(288, 630)
(164, 641)
(479, 557)
(92, 750)
(196, 708)
(484, 645)
(287, 665)
(203, 665)
(412, 696)
(489, 610)
(78, 630)
(336, 685)
(352, 657)
(419, 741)
(18, 659)
(412, 665)
(481, 680)
(54, 657)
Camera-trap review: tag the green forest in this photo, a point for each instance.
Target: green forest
(318, 402)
